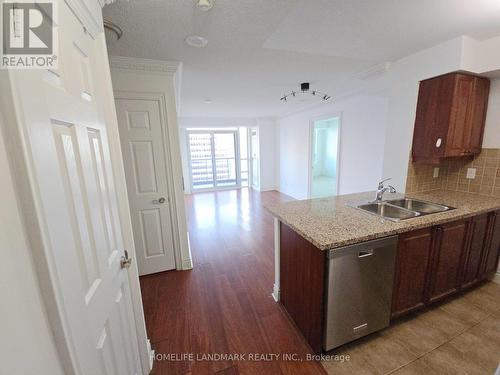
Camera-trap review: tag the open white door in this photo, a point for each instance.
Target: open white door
(145, 158)
(65, 144)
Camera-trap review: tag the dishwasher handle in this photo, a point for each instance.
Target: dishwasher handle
(363, 249)
(365, 253)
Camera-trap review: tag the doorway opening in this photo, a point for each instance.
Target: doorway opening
(218, 159)
(324, 173)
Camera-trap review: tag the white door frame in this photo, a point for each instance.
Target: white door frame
(250, 158)
(310, 148)
(236, 155)
(161, 100)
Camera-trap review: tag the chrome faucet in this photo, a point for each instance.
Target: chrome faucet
(381, 190)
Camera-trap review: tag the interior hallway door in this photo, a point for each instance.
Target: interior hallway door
(75, 219)
(145, 156)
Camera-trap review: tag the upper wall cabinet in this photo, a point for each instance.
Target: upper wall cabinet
(451, 112)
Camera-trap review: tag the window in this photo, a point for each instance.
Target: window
(214, 159)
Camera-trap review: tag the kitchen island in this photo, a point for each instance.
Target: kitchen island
(437, 255)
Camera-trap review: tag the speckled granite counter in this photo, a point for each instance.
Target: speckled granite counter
(329, 222)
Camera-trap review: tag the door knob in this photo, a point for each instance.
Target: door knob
(161, 200)
(125, 261)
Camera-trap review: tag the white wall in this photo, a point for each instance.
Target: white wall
(26, 340)
(362, 132)
(404, 77)
(268, 154)
(492, 128)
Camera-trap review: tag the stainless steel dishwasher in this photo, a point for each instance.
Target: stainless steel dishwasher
(359, 290)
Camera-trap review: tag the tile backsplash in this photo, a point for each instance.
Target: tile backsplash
(453, 174)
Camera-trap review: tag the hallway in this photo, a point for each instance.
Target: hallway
(224, 304)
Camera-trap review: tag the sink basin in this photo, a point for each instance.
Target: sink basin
(420, 206)
(388, 211)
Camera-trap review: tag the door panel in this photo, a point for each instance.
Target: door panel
(491, 257)
(475, 251)
(213, 159)
(412, 264)
(202, 168)
(66, 147)
(447, 259)
(461, 121)
(225, 159)
(143, 167)
(146, 169)
(481, 94)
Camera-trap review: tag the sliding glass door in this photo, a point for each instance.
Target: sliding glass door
(213, 159)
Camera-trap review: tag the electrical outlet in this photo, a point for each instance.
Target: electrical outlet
(471, 173)
(435, 173)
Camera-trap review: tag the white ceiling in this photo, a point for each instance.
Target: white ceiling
(260, 49)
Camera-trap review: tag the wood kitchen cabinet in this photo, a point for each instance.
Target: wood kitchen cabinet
(448, 251)
(412, 270)
(475, 250)
(434, 263)
(450, 117)
(491, 254)
(302, 284)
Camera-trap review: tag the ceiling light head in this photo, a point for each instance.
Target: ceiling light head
(196, 41)
(204, 5)
(304, 86)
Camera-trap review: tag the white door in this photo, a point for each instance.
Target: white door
(146, 169)
(66, 145)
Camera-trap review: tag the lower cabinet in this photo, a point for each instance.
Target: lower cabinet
(448, 250)
(477, 242)
(490, 264)
(434, 263)
(412, 268)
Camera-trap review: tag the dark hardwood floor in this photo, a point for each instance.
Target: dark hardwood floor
(224, 304)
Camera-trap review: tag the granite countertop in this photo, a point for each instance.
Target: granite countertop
(329, 222)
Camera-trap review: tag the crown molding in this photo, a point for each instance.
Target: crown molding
(144, 65)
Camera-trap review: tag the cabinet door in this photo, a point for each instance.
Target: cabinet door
(412, 261)
(432, 118)
(478, 116)
(461, 116)
(448, 250)
(478, 240)
(491, 256)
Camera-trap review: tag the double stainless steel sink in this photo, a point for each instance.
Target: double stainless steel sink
(402, 209)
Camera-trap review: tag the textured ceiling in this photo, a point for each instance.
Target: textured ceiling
(260, 49)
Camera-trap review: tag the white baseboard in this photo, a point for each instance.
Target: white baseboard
(270, 188)
(276, 293)
(151, 355)
(496, 278)
(187, 264)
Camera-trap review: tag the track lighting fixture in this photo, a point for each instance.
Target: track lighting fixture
(304, 89)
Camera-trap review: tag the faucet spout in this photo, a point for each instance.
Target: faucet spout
(381, 190)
